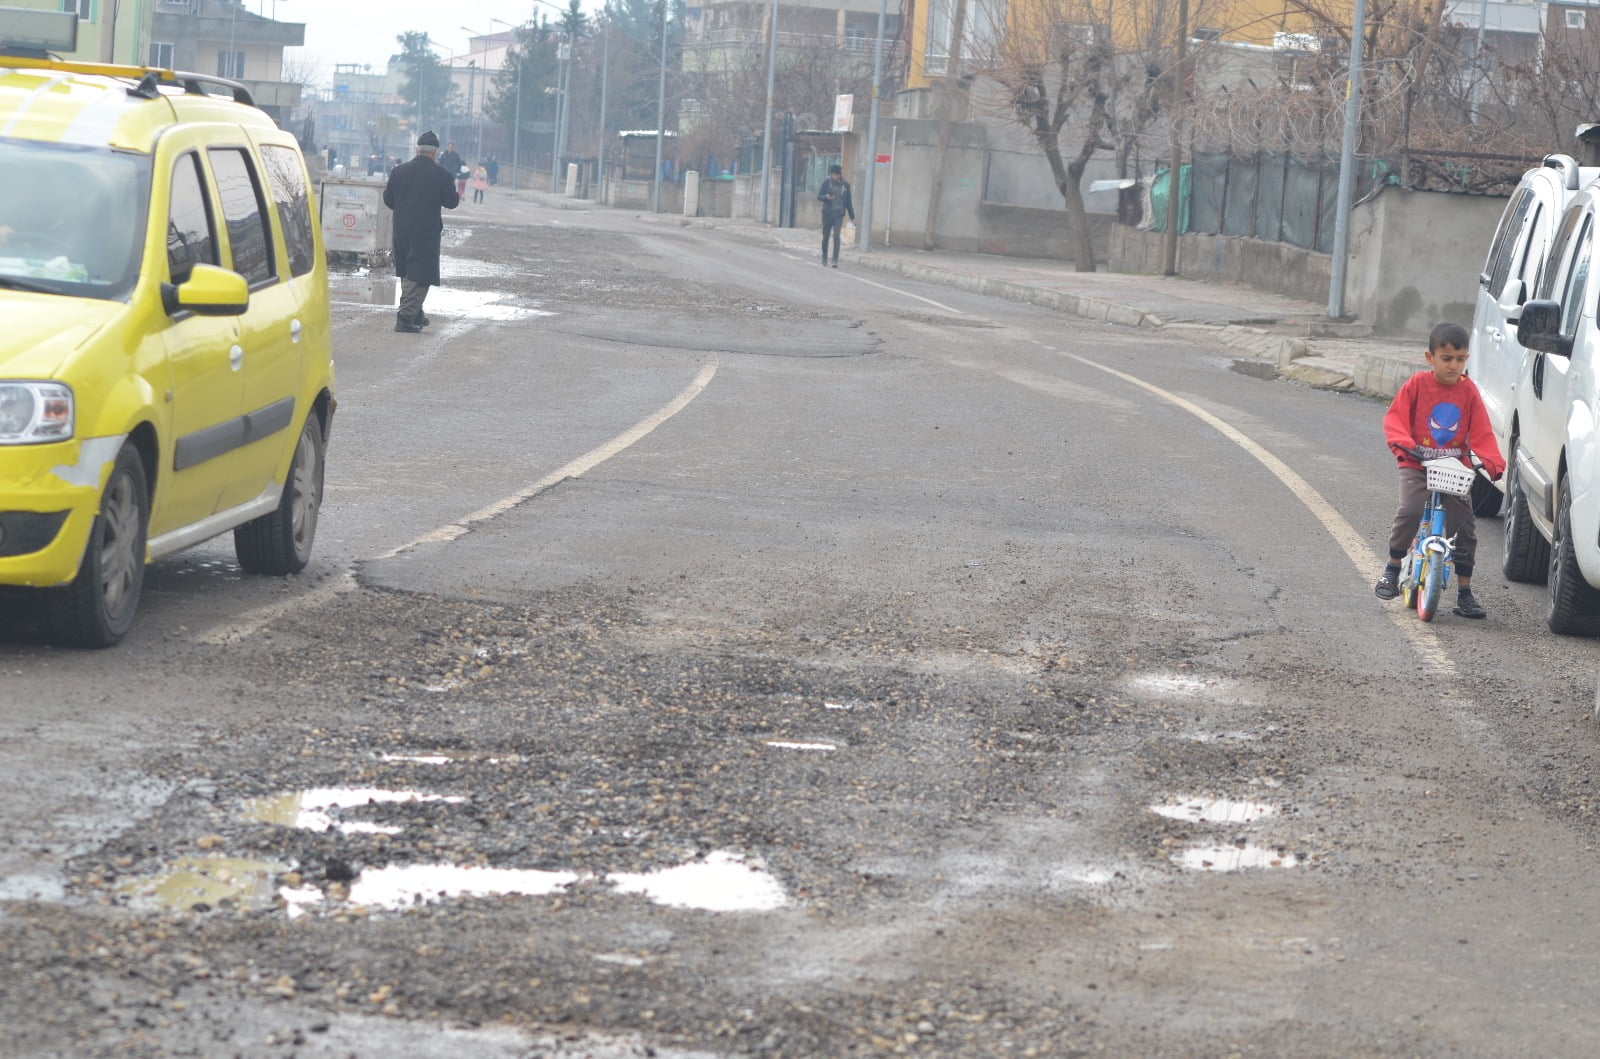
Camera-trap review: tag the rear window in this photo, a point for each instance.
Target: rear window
(287, 176)
(244, 214)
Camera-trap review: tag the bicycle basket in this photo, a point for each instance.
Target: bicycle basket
(1449, 475)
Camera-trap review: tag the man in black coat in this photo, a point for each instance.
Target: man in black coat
(416, 192)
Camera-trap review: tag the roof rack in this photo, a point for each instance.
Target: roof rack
(147, 79)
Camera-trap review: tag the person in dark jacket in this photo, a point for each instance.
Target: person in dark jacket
(416, 191)
(835, 199)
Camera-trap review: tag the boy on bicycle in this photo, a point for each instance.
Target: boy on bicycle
(1438, 412)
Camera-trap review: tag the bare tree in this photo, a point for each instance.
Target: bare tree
(1084, 77)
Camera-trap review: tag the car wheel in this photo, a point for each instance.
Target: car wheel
(97, 608)
(1526, 556)
(1574, 606)
(280, 543)
(1486, 499)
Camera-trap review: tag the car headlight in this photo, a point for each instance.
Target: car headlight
(34, 412)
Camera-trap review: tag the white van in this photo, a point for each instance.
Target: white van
(1510, 276)
(1552, 484)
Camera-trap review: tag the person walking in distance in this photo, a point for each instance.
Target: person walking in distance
(480, 182)
(835, 199)
(416, 192)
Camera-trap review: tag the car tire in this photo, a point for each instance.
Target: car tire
(1486, 498)
(1526, 555)
(97, 608)
(280, 543)
(1574, 606)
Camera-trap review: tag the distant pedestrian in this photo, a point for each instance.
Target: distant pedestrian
(416, 192)
(493, 166)
(1440, 414)
(836, 204)
(450, 160)
(480, 182)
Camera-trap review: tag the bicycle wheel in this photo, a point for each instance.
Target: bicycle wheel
(1431, 588)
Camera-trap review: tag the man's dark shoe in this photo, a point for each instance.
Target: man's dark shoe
(423, 320)
(835, 262)
(1468, 607)
(405, 326)
(1386, 588)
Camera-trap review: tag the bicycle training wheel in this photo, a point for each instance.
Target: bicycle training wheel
(1431, 588)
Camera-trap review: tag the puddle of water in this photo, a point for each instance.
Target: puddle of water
(191, 881)
(1170, 683)
(317, 809)
(1256, 369)
(1233, 858)
(1215, 811)
(723, 882)
(446, 757)
(402, 885)
(471, 268)
(781, 744)
(478, 305)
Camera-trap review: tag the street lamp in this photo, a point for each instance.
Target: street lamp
(516, 130)
(661, 115)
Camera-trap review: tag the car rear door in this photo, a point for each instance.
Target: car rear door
(269, 330)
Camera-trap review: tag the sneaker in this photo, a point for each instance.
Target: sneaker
(1386, 588)
(1468, 606)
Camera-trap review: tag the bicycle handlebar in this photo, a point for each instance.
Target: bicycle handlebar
(1416, 454)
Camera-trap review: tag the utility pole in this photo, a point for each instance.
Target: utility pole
(1169, 257)
(864, 236)
(946, 101)
(661, 114)
(766, 128)
(1347, 169)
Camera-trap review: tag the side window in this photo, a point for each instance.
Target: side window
(1551, 283)
(244, 214)
(191, 236)
(1498, 267)
(1577, 276)
(1531, 263)
(288, 179)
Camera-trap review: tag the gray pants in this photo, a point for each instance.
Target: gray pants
(1458, 519)
(412, 295)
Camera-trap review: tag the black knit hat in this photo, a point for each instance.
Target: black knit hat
(427, 139)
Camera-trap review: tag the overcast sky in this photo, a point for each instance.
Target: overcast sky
(364, 31)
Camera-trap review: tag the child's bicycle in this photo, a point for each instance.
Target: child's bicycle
(1425, 572)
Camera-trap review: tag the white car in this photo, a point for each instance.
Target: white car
(1552, 525)
(1510, 276)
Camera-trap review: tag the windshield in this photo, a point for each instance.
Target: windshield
(71, 219)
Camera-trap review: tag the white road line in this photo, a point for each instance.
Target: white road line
(896, 290)
(1425, 643)
(344, 581)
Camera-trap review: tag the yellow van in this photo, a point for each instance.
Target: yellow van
(166, 367)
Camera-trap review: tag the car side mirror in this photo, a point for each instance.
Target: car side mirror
(1540, 328)
(209, 291)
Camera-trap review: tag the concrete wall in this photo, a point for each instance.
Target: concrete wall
(1414, 260)
(1415, 257)
(1021, 231)
(915, 146)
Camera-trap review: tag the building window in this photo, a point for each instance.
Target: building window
(231, 64)
(84, 8)
(161, 54)
(1575, 19)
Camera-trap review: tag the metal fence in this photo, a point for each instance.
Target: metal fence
(1274, 197)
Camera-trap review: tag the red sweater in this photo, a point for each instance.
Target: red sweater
(1442, 421)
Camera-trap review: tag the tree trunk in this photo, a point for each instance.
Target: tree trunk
(946, 101)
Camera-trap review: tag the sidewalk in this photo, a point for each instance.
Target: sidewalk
(1294, 336)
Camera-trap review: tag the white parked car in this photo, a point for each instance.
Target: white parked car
(1510, 276)
(1552, 527)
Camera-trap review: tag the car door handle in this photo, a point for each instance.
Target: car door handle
(235, 356)
(295, 328)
